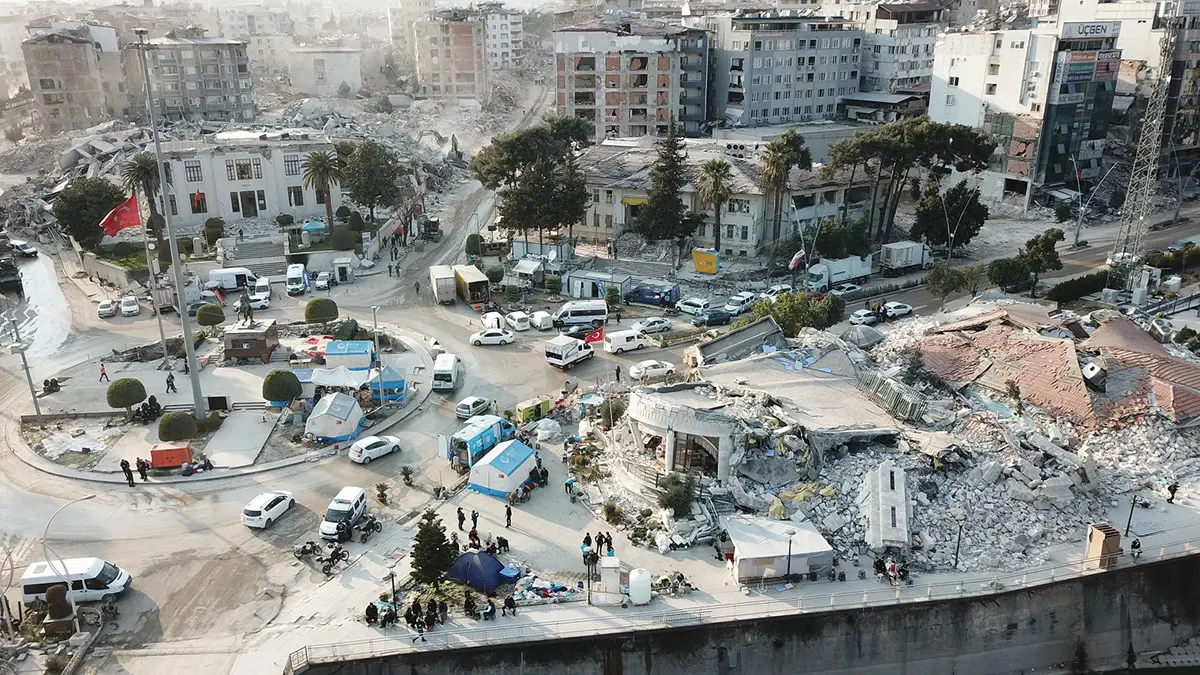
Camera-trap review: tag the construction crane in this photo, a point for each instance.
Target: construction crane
(1126, 257)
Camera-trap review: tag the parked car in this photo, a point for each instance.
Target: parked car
(864, 317)
(740, 303)
(695, 306)
(580, 331)
(651, 368)
(325, 281)
(655, 324)
(492, 336)
(713, 317)
(895, 309)
(844, 290)
(373, 447)
(194, 307)
(471, 406)
(23, 248)
(106, 309)
(256, 302)
(130, 306)
(266, 508)
(517, 320)
(775, 291)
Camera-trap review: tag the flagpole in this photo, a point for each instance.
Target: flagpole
(152, 283)
(176, 264)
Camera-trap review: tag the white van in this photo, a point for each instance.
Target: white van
(578, 312)
(262, 287)
(347, 507)
(295, 280)
(619, 342)
(447, 372)
(231, 278)
(92, 579)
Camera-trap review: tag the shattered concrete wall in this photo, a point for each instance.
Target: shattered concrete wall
(651, 413)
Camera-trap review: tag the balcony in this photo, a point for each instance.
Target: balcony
(691, 96)
(585, 98)
(691, 117)
(692, 46)
(693, 65)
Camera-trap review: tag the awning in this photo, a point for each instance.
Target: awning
(634, 201)
(528, 267)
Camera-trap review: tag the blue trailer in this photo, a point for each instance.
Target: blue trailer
(480, 434)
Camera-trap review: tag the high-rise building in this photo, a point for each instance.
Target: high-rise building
(201, 78)
(451, 55)
(504, 36)
(631, 77)
(402, 24)
(246, 20)
(898, 42)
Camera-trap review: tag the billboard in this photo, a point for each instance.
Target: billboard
(1079, 57)
(1065, 99)
(1077, 78)
(1109, 55)
(1090, 30)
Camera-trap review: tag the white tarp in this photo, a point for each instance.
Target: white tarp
(761, 547)
(336, 417)
(341, 377)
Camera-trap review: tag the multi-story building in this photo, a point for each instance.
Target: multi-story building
(269, 54)
(451, 55)
(201, 78)
(402, 23)
(898, 42)
(504, 37)
(777, 67)
(1044, 94)
(244, 20)
(13, 73)
(617, 172)
(236, 175)
(630, 78)
(321, 71)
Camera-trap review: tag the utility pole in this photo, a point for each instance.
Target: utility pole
(153, 283)
(176, 262)
(20, 349)
(378, 357)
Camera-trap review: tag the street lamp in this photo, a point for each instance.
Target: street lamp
(790, 533)
(18, 348)
(63, 574)
(162, 334)
(378, 358)
(1129, 523)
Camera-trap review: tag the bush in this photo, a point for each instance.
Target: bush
(320, 310)
(495, 274)
(678, 493)
(355, 221)
(209, 424)
(1010, 274)
(281, 385)
(612, 295)
(1076, 288)
(613, 515)
(612, 409)
(187, 245)
(342, 213)
(512, 293)
(474, 244)
(214, 229)
(56, 664)
(1062, 213)
(342, 239)
(285, 219)
(210, 314)
(1184, 335)
(125, 393)
(554, 284)
(177, 425)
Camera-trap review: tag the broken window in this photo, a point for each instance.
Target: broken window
(244, 172)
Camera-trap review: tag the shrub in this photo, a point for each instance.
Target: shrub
(355, 221)
(209, 424)
(342, 239)
(495, 274)
(56, 664)
(678, 492)
(177, 425)
(210, 314)
(512, 293)
(611, 409)
(125, 393)
(1062, 213)
(1010, 274)
(281, 385)
(214, 229)
(320, 310)
(187, 245)
(474, 244)
(1077, 287)
(613, 515)
(612, 295)
(554, 284)
(1184, 335)
(285, 219)
(342, 213)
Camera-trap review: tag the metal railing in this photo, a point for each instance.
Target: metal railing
(1172, 307)
(808, 602)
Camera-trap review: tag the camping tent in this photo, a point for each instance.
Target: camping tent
(393, 382)
(352, 354)
(339, 377)
(478, 569)
(502, 470)
(760, 547)
(336, 417)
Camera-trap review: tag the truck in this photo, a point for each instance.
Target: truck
(429, 229)
(827, 273)
(565, 351)
(441, 282)
(473, 287)
(480, 434)
(903, 257)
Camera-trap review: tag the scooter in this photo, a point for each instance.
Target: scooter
(369, 526)
(309, 547)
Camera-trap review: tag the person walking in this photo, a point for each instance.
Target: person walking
(1171, 490)
(389, 269)
(461, 518)
(143, 468)
(419, 624)
(507, 515)
(171, 383)
(474, 519)
(537, 458)
(1136, 548)
(127, 471)
(618, 371)
(103, 374)
(417, 287)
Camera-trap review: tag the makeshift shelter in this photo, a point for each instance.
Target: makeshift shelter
(393, 382)
(312, 232)
(503, 469)
(335, 418)
(761, 547)
(352, 354)
(477, 569)
(307, 388)
(530, 272)
(339, 377)
(863, 337)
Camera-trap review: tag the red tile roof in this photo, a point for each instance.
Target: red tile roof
(1118, 331)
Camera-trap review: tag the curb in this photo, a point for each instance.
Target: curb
(36, 461)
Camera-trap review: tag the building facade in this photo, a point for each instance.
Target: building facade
(201, 78)
(269, 54)
(898, 44)
(321, 71)
(402, 34)
(504, 36)
(629, 79)
(452, 56)
(246, 20)
(239, 175)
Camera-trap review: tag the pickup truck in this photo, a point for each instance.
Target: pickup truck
(565, 351)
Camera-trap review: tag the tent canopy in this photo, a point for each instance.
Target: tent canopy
(313, 226)
(862, 336)
(353, 354)
(390, 377)
(503, 469)
(477, 569)
(339, 377)
(755, 537)
(528, 266)
(336, 417)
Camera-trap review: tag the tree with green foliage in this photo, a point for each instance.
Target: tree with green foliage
(951, 219)
(320, 310)
(664, 217)
(177, 425)
(125, 393)
(355, 222)
(830, 240)
(842, 156)
(281, 385)
(1007, 273)
(793, 311)
(474, 244)
(214, 229)
(714, 191)
(942, 280)
(81, 206)
(432, 553)
(370, 175)
(495, 273)
(141, 174)
(210, 314)
(778, 159)
(323, 170)
(1040, 255)
(679, 491)
(343, 239)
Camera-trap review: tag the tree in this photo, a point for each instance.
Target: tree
(793, 311)
(355, 221)
(830, 241)
(778, 159)
(951, 219)
(342, 239)
(664, 215)
(495, 274)
(176, 425)
(1008, 273)
(320, 310)
(1062, 213)
(141, 174)
(81, 206)
(344, 90)
(432, 553)
(210, 314)
(714, 191)
(1040, 256)
(944, 280)
(323, 170)
(125, 393)
(474, 244)
(281, 385)
(370, 176)
(214, 229)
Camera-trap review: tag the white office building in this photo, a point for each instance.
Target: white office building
(503, 35)
(321, 71)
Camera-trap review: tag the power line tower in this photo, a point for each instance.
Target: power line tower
(1126, 253)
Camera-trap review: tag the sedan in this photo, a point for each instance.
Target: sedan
(740, 303)
(655, 324)
(373, 447)
(692, 306)
(106, 309)
(23, 249)
(864, 317)
(266, 508)
(256, 302)
(130, 306)
(713, 317)
(895, 309)
(325, 281)
(471, 406)
(775, 291)
(646, 369)
(577, 331)
(844, 290)
(492, 336)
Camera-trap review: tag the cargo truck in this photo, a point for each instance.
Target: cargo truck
(903, 257)
(565, 351)
(480, 434)
(827, 273)
(472, 284)
(441, 282)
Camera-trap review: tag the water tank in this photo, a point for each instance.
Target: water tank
(639, 587)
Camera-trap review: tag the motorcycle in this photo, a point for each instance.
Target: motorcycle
(309, 547)
(670, 311)
(369, 526)
(336, 554)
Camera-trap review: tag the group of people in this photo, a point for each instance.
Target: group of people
(143, 468)
(877, 308)
(604, 543)
(488, 612)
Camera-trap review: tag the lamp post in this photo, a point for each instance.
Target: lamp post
(162, 334)
(18, 348)
(392, 579)
(63, 573)
(1129, 523)
(176, 261)
(378, 358)
(790, 533)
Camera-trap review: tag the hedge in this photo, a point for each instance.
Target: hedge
(1077, 287)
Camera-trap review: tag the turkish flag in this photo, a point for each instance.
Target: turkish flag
(595, 336)
(124, 215)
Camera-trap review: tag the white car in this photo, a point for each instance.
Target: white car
(324, 281)
(863, 317)
(23, 248)
(471, 406)
(517, 320)
(651, 368)
(1122, 258)
(775, 291)
(695, 306)
(373, 447)
(655, 324)
(262, 301)
(266, 508)
(130, 306)
(895, 309)
(106, 309)
(740, 303)
(492, 336)
(846, 289)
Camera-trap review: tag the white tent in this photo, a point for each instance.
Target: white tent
(340, 377)
(335, 418)
(761, 547)
(503, 469)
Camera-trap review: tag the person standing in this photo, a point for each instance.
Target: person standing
(419, 624)
(143, 468)
(103, 374)
(474, 519)
(461, 518)
(127, 471)
(389, 270)
(507, 515)
(1136, 548)
(618, 371)
(171, 383)
(1171, 490)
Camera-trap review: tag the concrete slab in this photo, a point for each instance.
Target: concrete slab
(240, 439)
(134, 443)
(83, 392)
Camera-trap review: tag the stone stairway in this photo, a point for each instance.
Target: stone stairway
(261, 256)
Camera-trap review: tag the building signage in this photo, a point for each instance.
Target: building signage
(1109, 55)
(1090, 149)
(1065, 99)
(16, 103)
(1079, 57)
(1076, 78)
(1082, 67)
(1090, 30)
(1106, 71)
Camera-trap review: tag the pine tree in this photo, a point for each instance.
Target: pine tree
(664, 216)
(432, 554)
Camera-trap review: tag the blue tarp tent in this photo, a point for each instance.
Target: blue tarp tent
(314, 226)
(351, 354)
(393, 381)
(477, 569)
(503, 469)
(335, 418)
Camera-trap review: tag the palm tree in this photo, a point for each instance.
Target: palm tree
(322, 170)
(141, 174)
(714, 191)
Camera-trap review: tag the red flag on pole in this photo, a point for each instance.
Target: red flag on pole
(595, 336)
(124, 215)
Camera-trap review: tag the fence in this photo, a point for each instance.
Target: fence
(765, 608)
(1172, 307)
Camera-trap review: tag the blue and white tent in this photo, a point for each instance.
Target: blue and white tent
(352, 354)
(503, 469)
(336, 418)
(393, 382)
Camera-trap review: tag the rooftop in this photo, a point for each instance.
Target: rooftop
(638, 27)
(248, 138)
